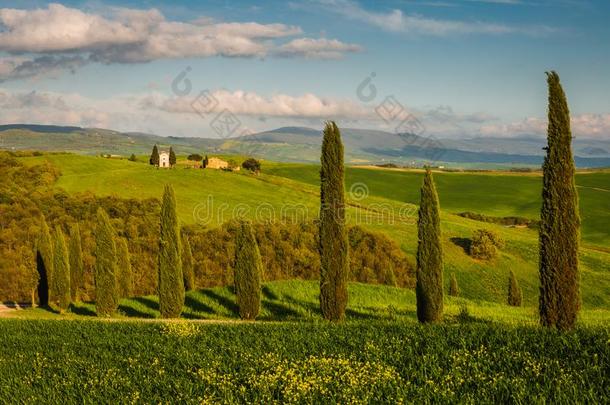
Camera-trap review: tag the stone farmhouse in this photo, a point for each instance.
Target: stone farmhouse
(217, 163)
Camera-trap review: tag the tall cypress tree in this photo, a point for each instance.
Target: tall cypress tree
(61, 271)
(559, 219)
(334, 262)
(154, 157)
(106, 291)
(124, 273)
(44, 262)
(248, 272)
(76, 262)
(514, 291)
(429, 287)
(172, 157)
(187, 264)
(171, 280)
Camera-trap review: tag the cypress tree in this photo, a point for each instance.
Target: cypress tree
(172, 157)
(124, 274)
(61, 272)
(454, 290)
(429, 287)
(514, 291)
(154, 157)
(248, 271)
(44, 262)
(334, 264)
(76, 263)
(106, 291)
(204, 164)
(171, 280)
(559, 219)
(187, 264)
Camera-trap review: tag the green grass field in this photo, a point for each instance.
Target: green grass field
(212, 197)
(365, 361)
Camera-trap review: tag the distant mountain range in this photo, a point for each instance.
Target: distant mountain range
(300, 144)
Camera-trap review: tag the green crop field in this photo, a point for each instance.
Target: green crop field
(366, 361)
(211, 197)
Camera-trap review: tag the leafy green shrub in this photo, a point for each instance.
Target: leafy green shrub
(252, 164)
(485, 244)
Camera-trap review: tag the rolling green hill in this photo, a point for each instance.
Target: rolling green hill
(211, 197)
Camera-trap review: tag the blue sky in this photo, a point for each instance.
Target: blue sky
(462, 68)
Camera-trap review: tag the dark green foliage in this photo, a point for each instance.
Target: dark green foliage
(204, 163)
(559, 219)
(188, 267)
(454, 290)
(172, 157)
(196, 157)
(334, 261)
(132, 158)
(375, 258)
(154, 157)
(171, 281)
(248, 272)
(76, 262)
(124, 272)
(429, 287)
(217, 363)
(515, 295)
(106, 289)
(484, 244)
(61, 272)
(514, 221)
(44, 262)
(252, 164)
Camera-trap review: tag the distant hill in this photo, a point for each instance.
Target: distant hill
(301, 144)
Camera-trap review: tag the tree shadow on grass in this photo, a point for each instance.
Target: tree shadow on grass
(150, 303)
(224, 301)
(269, 294)
(196, 306)
(80, 310)
(134, 313)
(278, 310)
(464, 243)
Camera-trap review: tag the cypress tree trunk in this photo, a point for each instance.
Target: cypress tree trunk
(248, 272)
(514, 291)
(76, 263)
(429, 287)
(171, 280)
(124, 278)
(454, 290)
(61, 272)
(559, 219)
(187, 264)
(334, 264)
(106, 291)
(44, 262)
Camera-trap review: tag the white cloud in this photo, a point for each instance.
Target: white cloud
(582, 125)
(321, 48)
(279, 105)
(397, 21)
(60, 35)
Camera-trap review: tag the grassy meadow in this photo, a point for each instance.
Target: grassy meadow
(365, 361)
(211, 197)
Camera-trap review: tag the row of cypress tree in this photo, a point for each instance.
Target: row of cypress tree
(559, 230)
